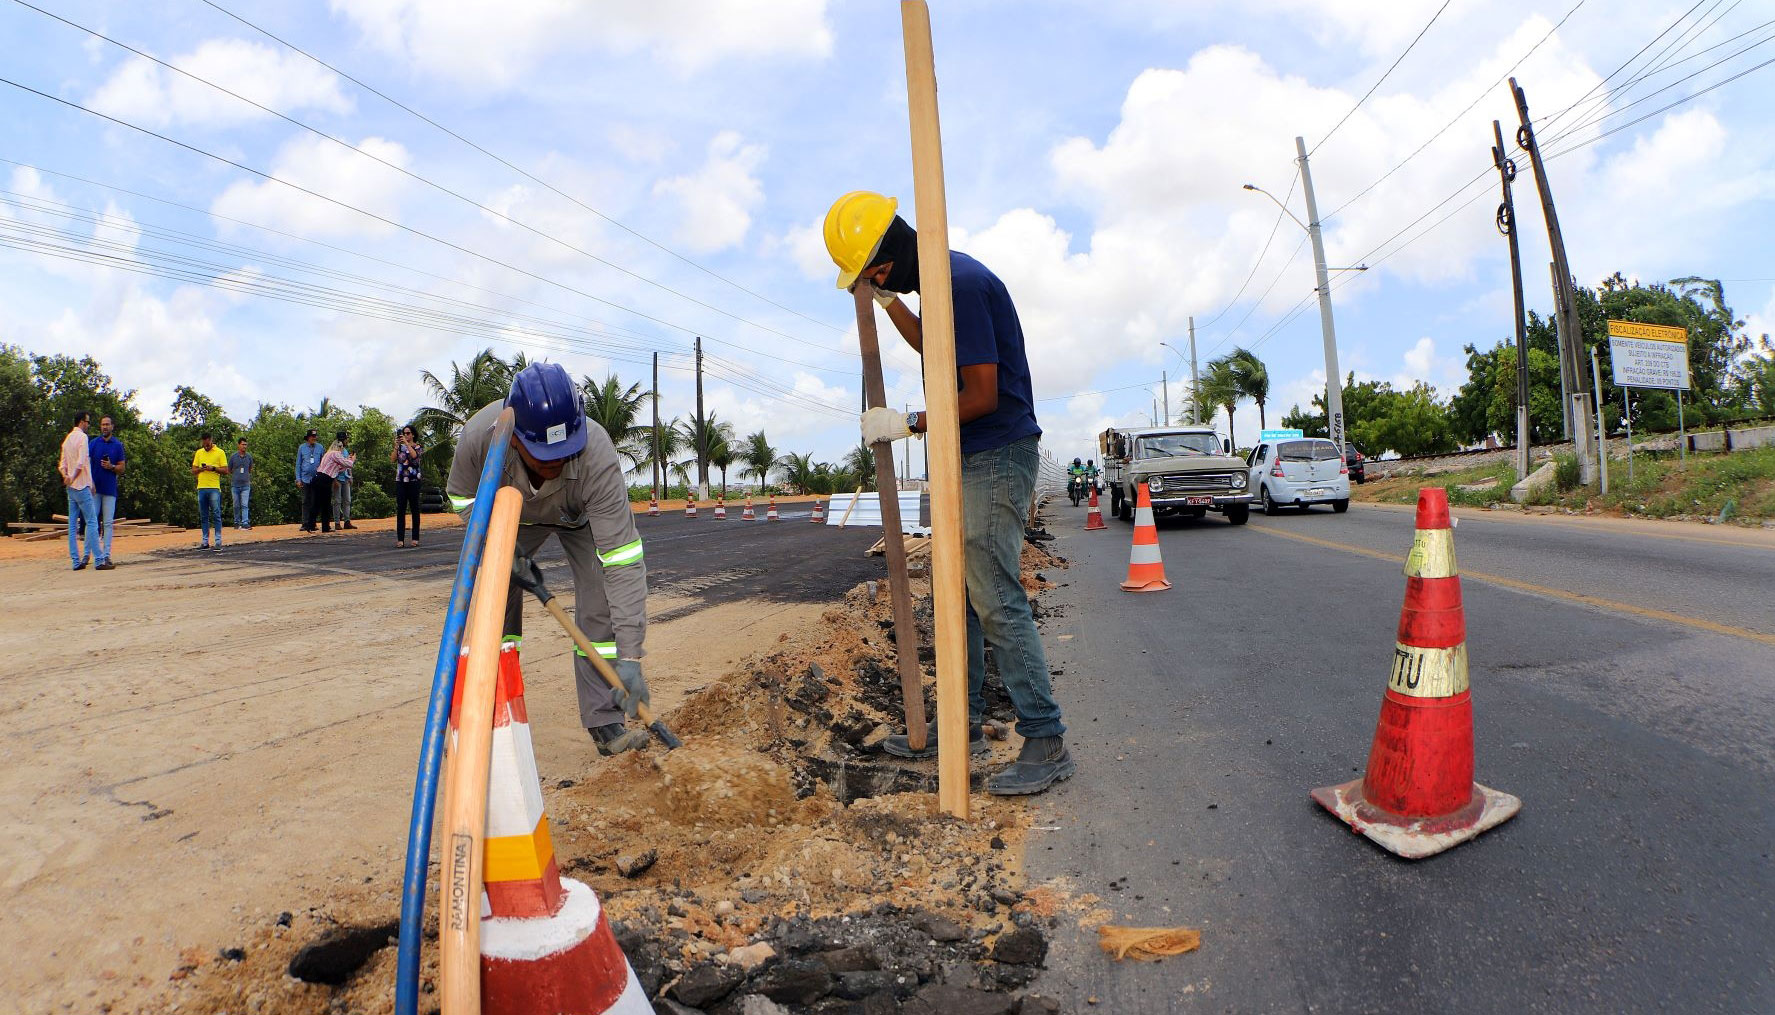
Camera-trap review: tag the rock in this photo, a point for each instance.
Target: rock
(1007, 977)
(1035, 1004)
(942, 999)
(1022, 947)
(232, 954)
(754, 895)
(1006, 896)
(883, 1003)
(668, 1006)
(863, 983)
(794, 981)
(638, 864)
(849, 960)
(706, 983)
(338, 955)
(283, 919)
(940, 928)
(753, 1004)
(724, 908)
(750, 957)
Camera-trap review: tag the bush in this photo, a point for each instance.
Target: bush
(1565, 473)
(369, 500)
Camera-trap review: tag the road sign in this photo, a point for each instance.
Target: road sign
(1649, 355)
(1279, 435)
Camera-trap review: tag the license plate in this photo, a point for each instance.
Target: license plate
(1318, 492)
(1199, 501)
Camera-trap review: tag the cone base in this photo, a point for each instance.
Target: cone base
(1093, 524)
(1415, 838)
(1156, 585)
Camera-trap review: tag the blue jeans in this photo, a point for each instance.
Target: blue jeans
(107, 514)
(243, 499)
(81, 505)
(996, 486)
(209, 513)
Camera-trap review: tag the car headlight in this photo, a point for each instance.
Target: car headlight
(1239, 479)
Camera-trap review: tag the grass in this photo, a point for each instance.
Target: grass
(1740, 484)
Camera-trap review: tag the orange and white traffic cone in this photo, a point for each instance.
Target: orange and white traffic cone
(690, 506)
(770, 514)
(720, 509)
(1094, 517)
(1418, 797)
(748, 515)
(546, 945)
(819, 512)
(1146, 571)
(653, 506)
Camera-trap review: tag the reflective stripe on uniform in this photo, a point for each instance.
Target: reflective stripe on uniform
(607, 649)
(628, 553)
(461, 503)
(514, 640)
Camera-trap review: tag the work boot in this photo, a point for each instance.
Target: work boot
(900, 746)
(1042, 763)
(348, 525)
(616, 738)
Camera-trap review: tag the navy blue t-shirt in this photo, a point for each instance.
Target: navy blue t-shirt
(104, 481)
(987, 331)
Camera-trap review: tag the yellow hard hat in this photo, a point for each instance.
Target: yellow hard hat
(854, 228)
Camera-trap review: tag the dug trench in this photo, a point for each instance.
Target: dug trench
(779, 862)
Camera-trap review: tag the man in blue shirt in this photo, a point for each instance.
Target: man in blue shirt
(308, 456)
(108, 459)
(1000, 453)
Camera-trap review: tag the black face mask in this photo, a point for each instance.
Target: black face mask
(899, 245)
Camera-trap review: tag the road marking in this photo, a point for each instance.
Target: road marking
(1697, 623)
(1598, 525)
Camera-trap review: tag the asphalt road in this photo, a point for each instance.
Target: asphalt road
(1624, 688)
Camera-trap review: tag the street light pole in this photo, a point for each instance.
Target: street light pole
(1195, 379)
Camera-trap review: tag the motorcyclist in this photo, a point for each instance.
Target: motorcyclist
(1091, 475)
(1075, 481)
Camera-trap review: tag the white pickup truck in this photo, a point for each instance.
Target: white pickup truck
(1189, 470)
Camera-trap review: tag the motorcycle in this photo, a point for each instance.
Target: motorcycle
(1075, 489)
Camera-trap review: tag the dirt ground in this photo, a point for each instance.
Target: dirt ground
(220, 757)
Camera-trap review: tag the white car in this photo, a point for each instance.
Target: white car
(1299, 473)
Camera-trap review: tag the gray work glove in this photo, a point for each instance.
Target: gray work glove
(527, 576)
(634, 693)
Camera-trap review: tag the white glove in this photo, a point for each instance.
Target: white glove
(885, 298)
(882, 424)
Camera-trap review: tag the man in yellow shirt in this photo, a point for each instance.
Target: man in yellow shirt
(209, 465)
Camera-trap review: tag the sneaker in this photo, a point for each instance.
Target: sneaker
(203, 546)
(1041, 763)
(900, 746)
(105, 565)
(218, 546)
(616, 738)
(348, 525)
(80, 566)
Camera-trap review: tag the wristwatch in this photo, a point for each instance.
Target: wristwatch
(912, 422)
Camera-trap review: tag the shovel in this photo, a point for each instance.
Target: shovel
(529, 578)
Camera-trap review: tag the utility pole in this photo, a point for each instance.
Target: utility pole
(1195, 379)
(1507, 225)
(658, 466)
(1334, 378)
(1165, 386)
(702, 449)
(1571, 330)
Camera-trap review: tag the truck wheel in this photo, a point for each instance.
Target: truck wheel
(1340, 506)
(1126, 513)
(1238, 514)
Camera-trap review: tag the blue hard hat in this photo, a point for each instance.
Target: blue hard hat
(548, 412)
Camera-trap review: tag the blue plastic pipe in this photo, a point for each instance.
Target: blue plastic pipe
(437, 717)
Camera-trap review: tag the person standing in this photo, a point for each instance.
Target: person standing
(240, 484)
(106, 452)
(342, 483)
(75, 468)
(308, 456)
(406, 456)
(571, 479)
(334, 462)
(999, 459)
(209, 465)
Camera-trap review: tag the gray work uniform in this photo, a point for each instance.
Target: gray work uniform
(587, 508)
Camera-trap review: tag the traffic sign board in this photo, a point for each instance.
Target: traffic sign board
(1649, 355)
(1279, 435)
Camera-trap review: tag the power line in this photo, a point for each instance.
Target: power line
(1382, 78)
(1547, 125)
(1292, 183)
(513, 167)
(1098, 391)
(1661, 109)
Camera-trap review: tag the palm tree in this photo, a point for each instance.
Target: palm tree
(721, 456)
(486, 379)
(664, 444)
(860, 462)
(799, 471)
(707, 436)
(758, 457)
(1254, 379)
(618, 411)
(1220, 386)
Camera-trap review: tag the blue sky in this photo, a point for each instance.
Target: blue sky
(1094, 153)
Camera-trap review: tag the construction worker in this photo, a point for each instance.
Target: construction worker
(573, 487)
(1000, 458)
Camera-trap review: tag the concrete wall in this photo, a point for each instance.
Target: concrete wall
(1733, 440)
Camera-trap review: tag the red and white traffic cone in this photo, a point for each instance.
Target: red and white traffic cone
(1094, 517)
(690, 506)
(748, 515)
(720, 508)
(1418, 797)
(1146, 570)
(546, 946)
(819, 512)
(653, 507)
(770, 514)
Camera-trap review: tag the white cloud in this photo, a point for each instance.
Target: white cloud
(144, 92)
(325, 168)
(806, 249)
(461, 42)
(716, 202)
(153, 344)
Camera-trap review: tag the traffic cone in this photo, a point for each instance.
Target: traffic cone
(770, 514)
(690, 506)
(1094, 517)
(748, 515)
(819, 512)
(720, 508)
(1146, 571)
(546, 945)
(653, 507)
(1418, 797)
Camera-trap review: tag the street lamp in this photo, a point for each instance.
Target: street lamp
(1194, 413)
(1334, 385)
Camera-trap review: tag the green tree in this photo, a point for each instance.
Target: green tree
(758, 457)
(1252, 379)
(799, 472)
(706, 436)
(618, 410)
(1220, 386)
(485, 379)
(859, 462)
(721, 455)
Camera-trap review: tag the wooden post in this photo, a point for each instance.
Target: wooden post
(465, 794)
(893, 537)
(936, 304)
